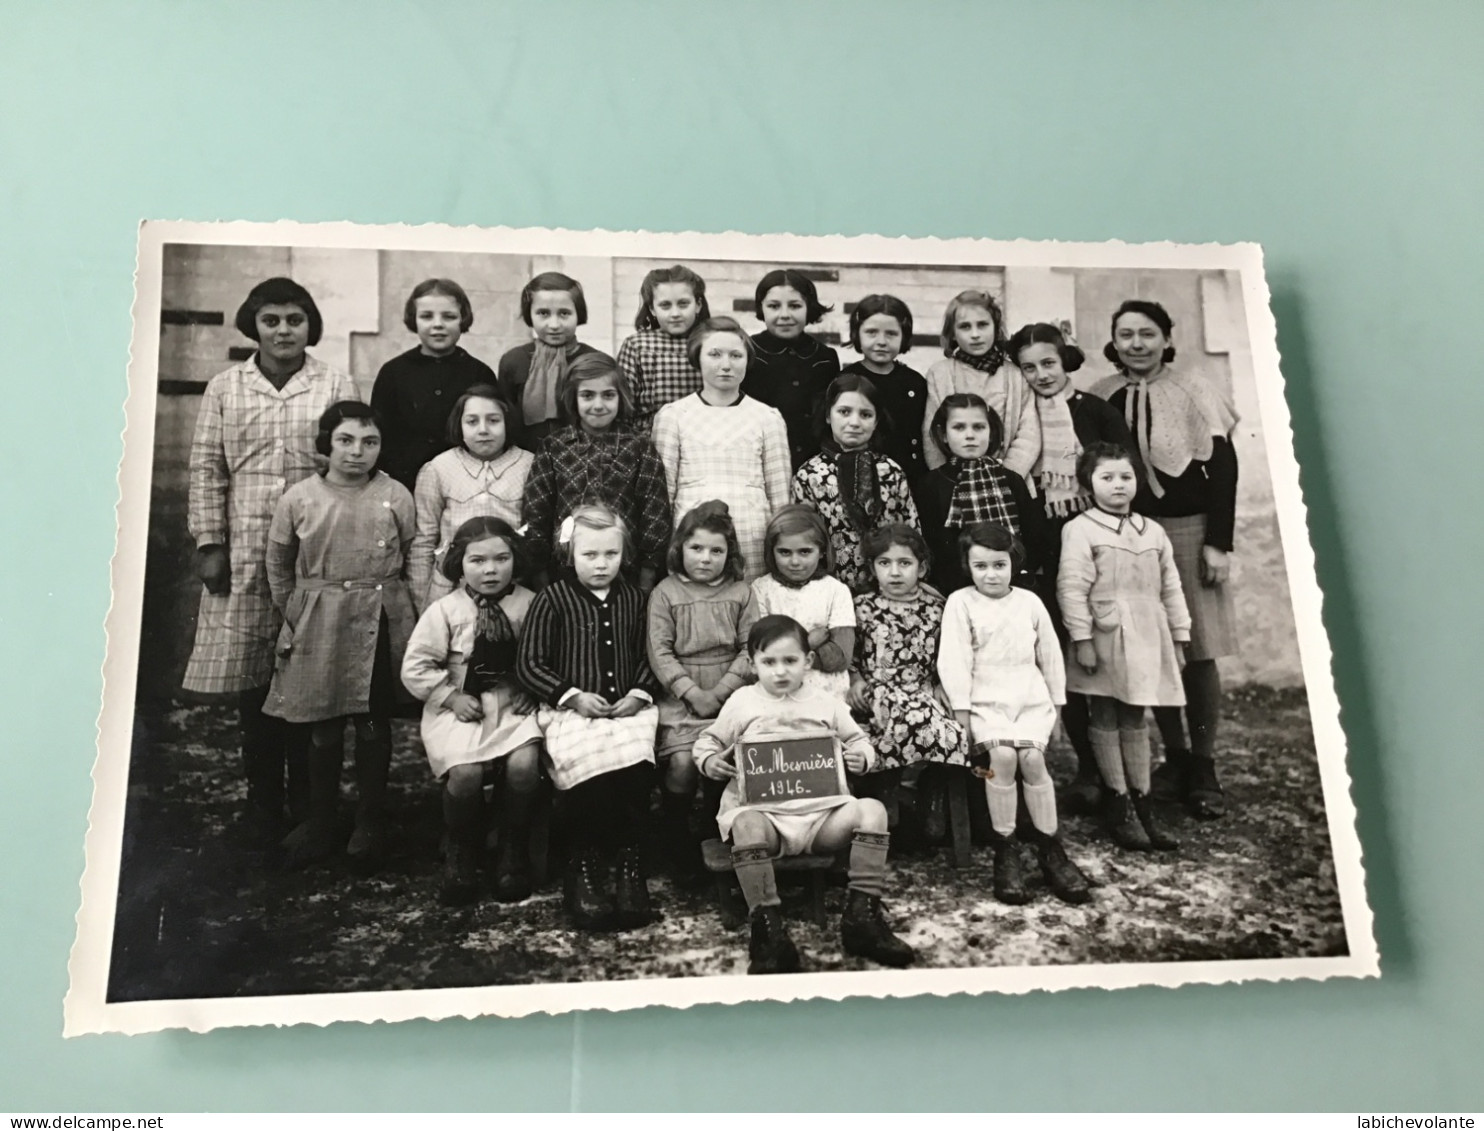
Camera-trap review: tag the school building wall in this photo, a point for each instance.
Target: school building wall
(361, 294)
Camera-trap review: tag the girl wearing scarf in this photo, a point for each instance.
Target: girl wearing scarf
(973, 487)
(1182, 428)
(553, 306)
(854, 486)
(476, 722)
(974, 361)
(1071, 422)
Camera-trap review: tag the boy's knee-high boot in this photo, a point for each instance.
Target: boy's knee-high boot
(770, 950)
(463, 817)
(513, 865)
(319, 835)
(864, 930)
(373, 765)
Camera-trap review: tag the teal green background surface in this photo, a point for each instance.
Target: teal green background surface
(1346, 138)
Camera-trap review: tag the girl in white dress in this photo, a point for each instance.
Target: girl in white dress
(1000, 663)
(719, 444)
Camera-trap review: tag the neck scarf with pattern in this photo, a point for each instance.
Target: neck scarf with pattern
(1055, 469)
(989, 362)
(981, 493)
(860, 490)
(492, 658)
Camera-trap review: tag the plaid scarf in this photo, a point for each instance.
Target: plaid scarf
(492, 659)
(989, 362)
(981, 493)
(1055, 469)
(538, 399)
(860, 491)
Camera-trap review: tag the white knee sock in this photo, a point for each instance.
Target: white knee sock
(1003, 802)
(1040, 802)
(1106, 749)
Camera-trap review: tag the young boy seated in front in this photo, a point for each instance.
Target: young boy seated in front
(779, 650)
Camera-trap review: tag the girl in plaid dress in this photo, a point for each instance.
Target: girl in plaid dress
(699, 617)
(655, 358)
(254, 439)
(599, 458)
(800, 584)
(582, 653)
(478, 724)
(973, 487)
(482, 474)
(336, 567)
(720, 444)
(851, 482)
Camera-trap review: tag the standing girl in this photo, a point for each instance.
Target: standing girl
(582, 653)
(699, 617)
(1071, 421)
(1182, 427)
(850, 482)
(254, 438)
(1001, 666)
(553, 306)
(482, 475)
(893, 675)
(337, 552)
(655, 359)
(790, 370)
(974, 361)
(1120, 593)
(799, 585)
(415, 390)
(599, 458)
(974, 487)
(880, 329)
(477, 723)
(719, 444)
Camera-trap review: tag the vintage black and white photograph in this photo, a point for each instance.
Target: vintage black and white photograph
(513, 621)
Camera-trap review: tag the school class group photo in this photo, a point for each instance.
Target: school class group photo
(592, 577)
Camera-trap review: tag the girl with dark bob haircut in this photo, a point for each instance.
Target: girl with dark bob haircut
(1044, 333)
(493, 393)
(991, 536)
(715, 518)
(449, 289)
(938, 429)
(336, 415)
(814, 310)
(883, 538)
(553, 281)
(278, 291)
(477, 530)
(872, 305)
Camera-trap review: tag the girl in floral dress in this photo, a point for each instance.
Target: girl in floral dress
(851, 483)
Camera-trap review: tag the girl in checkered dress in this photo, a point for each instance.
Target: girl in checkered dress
(852, 484)
(582, 653)
(482, 474)
(973, 487)
(719, 443)
(478, 725)
(600, 457)
(337, 570)
(655, 359)
(254, 439)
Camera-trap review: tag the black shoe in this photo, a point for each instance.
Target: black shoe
(513, 868)
(460, 876)
(1205, 798)
(1084, 795)
(1123, 824)
(771, 951)
(1171, 781)
(865, 932)
(1064, 878)
(630, 893)
(586, 902)
(1155, 833)
(1009, 880)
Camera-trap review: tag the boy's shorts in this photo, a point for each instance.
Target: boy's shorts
(796, 831)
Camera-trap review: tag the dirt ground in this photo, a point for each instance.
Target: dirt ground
(201, 915)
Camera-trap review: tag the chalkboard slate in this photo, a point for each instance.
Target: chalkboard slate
(789, 767)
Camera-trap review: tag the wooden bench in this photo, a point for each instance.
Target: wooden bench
(718, 857)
